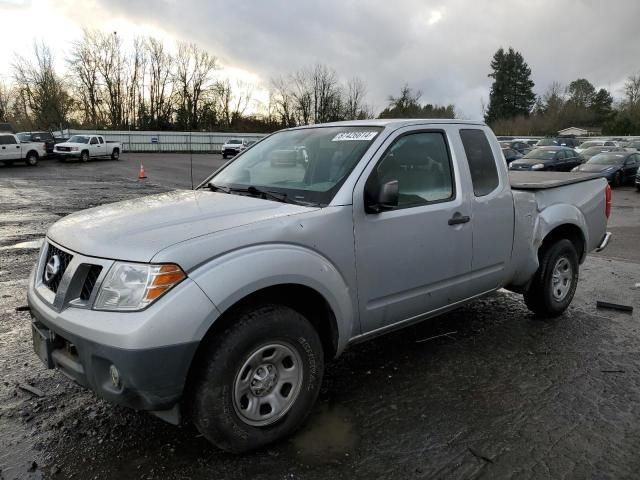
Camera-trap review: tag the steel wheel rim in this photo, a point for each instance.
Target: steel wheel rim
(267, 384)
(561, 279)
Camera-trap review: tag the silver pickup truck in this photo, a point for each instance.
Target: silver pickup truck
(226, 301)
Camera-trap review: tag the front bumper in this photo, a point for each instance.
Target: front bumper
(67, 154)
(152, 349)
(230, 151)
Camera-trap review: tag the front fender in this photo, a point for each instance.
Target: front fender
(231, 277)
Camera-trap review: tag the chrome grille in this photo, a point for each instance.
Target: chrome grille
(64, 259)
(90, 282)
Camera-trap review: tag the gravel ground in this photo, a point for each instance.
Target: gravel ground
(502, 395)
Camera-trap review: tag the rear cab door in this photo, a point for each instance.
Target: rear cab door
(492, 212)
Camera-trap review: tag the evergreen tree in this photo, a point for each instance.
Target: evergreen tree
(512, 90)
(602, 106)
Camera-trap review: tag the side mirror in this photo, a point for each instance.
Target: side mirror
(386, 198)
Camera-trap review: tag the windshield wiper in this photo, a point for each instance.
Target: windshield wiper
(277, 196)
(218, 188)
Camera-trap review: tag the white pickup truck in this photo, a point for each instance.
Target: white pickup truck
(84, 147)
(226, 302)
(13, 150)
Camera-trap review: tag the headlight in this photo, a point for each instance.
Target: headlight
(537, 166)
(134, 286)
(574, 169)
(74, 149)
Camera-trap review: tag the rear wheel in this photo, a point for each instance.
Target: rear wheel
(258, 380)
(32, 159)
(555, 282)
(224, 156)
(115, 155)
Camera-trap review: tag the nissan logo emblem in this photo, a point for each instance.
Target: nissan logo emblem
(52, 268)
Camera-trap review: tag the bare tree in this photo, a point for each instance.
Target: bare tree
(325, 93)
(43, 97)
(283, 101)
(83, 65)
(5, 101)
(193, 78)
(303, 96)
(354, 103)
(111, 65)
(632, 90)
(160, 82)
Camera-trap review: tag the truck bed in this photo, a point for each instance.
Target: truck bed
(545, 180)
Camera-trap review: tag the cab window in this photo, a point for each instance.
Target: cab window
(421, 164)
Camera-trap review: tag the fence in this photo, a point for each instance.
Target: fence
(147, 141)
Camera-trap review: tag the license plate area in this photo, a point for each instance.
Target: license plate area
(42, 343)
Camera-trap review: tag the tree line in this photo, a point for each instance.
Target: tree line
(148, 86)
(514, 109)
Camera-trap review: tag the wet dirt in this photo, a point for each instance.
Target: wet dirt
(503, 396)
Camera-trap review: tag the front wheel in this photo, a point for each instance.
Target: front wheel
(84, 156)
(554, 284)
(257, 381)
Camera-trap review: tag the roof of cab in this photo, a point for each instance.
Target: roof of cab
(395, 122)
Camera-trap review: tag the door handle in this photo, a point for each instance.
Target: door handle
(458, 219)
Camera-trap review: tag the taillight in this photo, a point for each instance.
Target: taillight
(607, 201)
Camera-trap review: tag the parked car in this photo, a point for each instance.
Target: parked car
(634, 144)
(13, 150)
(46, 137)
(638, 181)
(561, 159)
(510, 154)
(519, 146)
(227, 301)
(84, 147)
(558, 142)
(234, 147)
(595, 143)
(618, 168)
(593, 151)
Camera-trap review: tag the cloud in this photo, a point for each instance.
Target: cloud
(441, 48)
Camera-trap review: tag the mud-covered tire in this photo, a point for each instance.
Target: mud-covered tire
(543, 295)
(223, 361)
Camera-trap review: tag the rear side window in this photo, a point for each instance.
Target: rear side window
(100, 140)
(484, 173)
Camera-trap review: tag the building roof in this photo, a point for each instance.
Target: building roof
(575, 130)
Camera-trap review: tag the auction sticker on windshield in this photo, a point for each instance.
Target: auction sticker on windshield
(351, 136)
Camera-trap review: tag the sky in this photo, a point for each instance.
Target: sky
(442, 48)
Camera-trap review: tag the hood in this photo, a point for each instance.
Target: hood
(530, 161)
(137, 229)
(594, 167)
(69, 144)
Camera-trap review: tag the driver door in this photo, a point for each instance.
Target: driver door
(416, 257)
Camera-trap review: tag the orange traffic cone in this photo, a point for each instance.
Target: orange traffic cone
(142, 175)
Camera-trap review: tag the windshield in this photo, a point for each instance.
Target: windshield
(540, 154)
(235, 142)
(308, 165)
(78, 139)
(607, 159)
